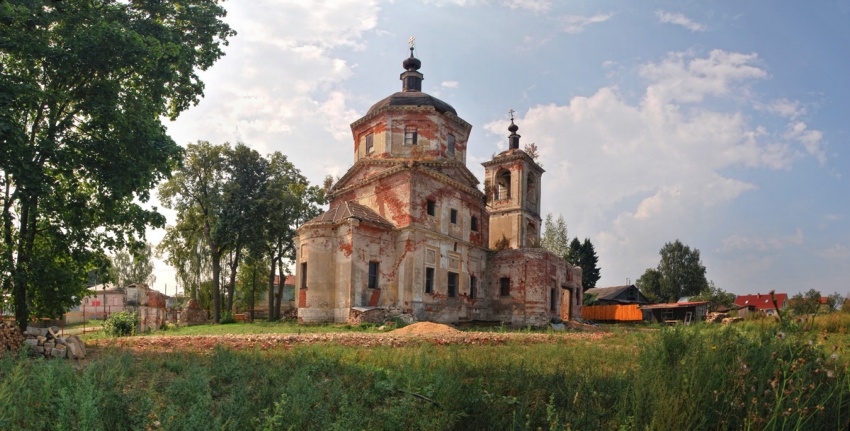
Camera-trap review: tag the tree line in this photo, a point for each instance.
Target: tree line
(234, 206)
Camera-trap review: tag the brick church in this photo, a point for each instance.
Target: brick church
(409, 231)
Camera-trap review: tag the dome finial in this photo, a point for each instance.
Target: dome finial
(411, 78)
(513, 139)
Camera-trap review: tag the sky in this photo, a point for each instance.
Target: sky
(723, 124)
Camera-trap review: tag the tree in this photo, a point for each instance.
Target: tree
(716, 297)
(133, 266)
(288, 202)
(808, 303)
(682, 272)
(196, 192)
(574, 253)
(81, 132)
(555, 237)
(650, 285)
(835, 301)
(587, 260)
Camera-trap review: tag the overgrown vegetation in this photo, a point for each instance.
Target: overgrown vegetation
(121, 324)
(756, 376)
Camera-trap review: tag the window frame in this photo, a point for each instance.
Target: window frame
(431, 207)
(452, 281)
(504, 286)
(473, 224)
(473, 286)
(453, 216)
(303, 275)
(370, 143)
(430, 274)
(451, 142)
(374, 275)
(411, 135)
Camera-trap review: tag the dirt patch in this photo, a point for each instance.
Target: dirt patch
(426, 328)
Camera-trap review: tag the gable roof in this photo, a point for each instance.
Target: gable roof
(607, 293)
(761, 301)
(348, 210)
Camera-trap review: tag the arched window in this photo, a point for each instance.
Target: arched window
(503, 185)
(530, 235)
(531, 189)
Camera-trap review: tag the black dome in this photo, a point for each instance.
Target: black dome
(413, 98)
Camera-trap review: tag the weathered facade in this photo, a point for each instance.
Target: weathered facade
(409, 231)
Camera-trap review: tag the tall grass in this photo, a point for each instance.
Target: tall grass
(680, 378)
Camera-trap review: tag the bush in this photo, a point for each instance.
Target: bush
(121, 324)
(226, 317)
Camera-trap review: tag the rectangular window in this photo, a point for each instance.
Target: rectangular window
(373, 275)
(410, 135)
(454, 216)
(450, 146)
(473, 286)
(431, 207)
(370, 141)
(505, 286)
(429, 280)
(303, 275)
(473, 224)
(452, 285)
(553, 297)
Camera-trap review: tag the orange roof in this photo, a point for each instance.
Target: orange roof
(761, 301)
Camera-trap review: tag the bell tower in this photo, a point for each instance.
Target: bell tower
(512, 186)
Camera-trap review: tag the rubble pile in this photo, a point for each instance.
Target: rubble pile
(45, 342)
(11, 339)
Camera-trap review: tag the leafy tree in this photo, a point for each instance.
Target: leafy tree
(682, 272)
(288, 202)
(251, 281)
(84, 86)
(574, 252)
(196, 192)
(555, 237)
(808, 303)
(650, 285)
(835, 301)
(716, 297)
(242, 212)
(133, 266)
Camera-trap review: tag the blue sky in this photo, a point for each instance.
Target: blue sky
(722, 124)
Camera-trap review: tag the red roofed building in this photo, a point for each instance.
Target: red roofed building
(762, 301)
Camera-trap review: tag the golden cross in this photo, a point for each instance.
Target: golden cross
(511, 111)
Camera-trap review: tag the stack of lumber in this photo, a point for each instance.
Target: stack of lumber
(11, 338)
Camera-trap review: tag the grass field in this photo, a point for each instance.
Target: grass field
(757, 375)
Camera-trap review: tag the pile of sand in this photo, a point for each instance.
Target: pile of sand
(426, 328)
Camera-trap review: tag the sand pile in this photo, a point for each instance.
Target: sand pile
(426, 328)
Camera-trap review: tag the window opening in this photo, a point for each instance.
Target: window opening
(473, 286)
(370, 139)
(504, 286)
(452, 285)
(454, 216)
(373, 274)
(503, 185)
(429, 280)
(473, 224)
(410, 135)
(450, 146)
(303, 275)
(431, 207)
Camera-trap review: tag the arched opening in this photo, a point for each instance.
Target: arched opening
(503, 185)
(531, 189)
(530, 235)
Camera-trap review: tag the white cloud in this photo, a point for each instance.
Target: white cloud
(657, 169)
(835, 251)
(812, 140)
(574, 24)
(679, 19)
(530, 5)
(755, 243)
(449, 84)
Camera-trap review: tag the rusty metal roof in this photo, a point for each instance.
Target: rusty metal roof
(413, 98)
(347, 210)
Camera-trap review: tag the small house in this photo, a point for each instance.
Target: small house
(628, 294)
(760, 302)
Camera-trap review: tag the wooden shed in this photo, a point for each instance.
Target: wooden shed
(678, 312)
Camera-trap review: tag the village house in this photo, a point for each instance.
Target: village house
(409, 232)
(760, 302)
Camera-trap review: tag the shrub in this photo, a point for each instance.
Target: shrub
(226, 317)
(121, 324)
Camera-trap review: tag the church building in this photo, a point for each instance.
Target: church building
(409, 231)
